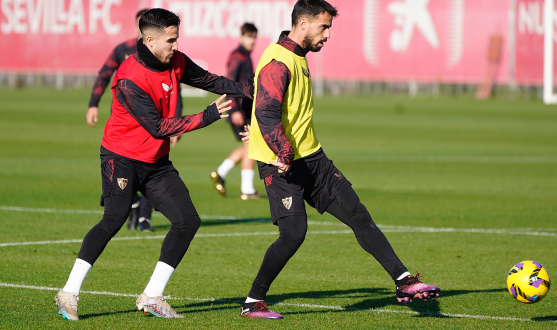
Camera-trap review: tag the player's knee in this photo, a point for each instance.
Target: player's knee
(193, 222)
(298, 237)
(349, 202)
(116, 212)
(294, 228)
(286, 246)
(293, 231)
(363, 220)
(363, 223)
(119, 204)
(186, 226)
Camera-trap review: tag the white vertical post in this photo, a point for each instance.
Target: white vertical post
(512, 45)
(548, 96)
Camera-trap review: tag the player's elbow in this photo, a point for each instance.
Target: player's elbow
(157, 133)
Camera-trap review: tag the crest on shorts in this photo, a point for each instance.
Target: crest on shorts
(287, 202)
(122, 183)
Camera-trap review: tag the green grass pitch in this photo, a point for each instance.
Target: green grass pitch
(462, 189)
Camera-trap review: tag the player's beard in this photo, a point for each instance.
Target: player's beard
(161, 57)
(308, 41)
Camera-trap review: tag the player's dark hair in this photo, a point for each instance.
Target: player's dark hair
(158, 18)
(311, 9)
(248, 28)
(141, 12)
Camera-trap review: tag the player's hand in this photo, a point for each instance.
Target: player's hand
(92, 116)
(282, 168)
(174, 140)
(222, 107)
(245, 134)
(237, 118)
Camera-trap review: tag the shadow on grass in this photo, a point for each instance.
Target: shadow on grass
(86, 316)
(378, 299)
(373, 299)
(545, 319)
(217, 222)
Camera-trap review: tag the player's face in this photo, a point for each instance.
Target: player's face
(318, 32)
(165, 44)
(248, 41)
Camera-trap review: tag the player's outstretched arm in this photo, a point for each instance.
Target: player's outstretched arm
(141, 107)
(272, 84)
(196, 76)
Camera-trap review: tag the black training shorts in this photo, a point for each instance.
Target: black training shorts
(124, 177)
(316, 181)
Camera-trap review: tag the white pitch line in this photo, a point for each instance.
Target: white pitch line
(45, 210)
(338, 308)
(131, 238)
(414, 229)
(378, 310)
(384, 228)
(77, 211)
(114, 294)
(455, 159)
(503, 231)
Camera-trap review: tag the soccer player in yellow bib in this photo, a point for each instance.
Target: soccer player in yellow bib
(294, 166)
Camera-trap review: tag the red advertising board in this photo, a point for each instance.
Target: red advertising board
(422, 40)
(62, 35)
(377, 40)
(530, 41)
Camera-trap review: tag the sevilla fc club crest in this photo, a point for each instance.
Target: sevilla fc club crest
(122, 183)
(287, 202)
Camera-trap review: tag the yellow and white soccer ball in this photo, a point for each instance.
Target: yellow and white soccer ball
(528, 282)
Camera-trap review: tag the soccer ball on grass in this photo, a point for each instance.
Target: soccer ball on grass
(528, 282)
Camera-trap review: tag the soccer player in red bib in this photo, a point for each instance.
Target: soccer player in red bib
(140, 215)
(295, 167)
(134, 155)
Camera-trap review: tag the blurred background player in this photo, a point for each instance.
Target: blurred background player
(239, 68)
(140, 215)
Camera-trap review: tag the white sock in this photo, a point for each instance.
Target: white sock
(403, 276)
(251, 300)
(77, 276)
(140, 220)
(159, 280)
(225, 167)
(247, 182)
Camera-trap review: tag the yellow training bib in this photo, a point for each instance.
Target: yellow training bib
(297, 108)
